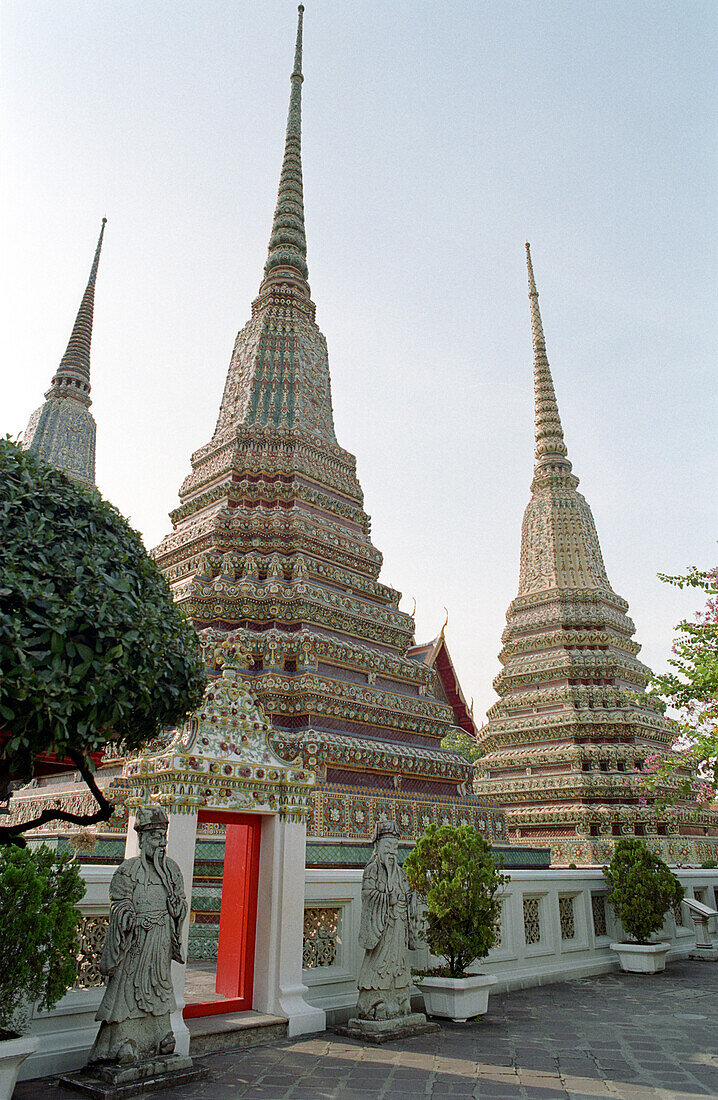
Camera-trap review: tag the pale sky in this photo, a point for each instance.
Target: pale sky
(438, 137)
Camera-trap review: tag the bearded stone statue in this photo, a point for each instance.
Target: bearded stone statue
(388, 930)
(390, 927)
(147, 910)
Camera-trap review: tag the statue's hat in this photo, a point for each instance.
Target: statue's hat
(148, 817)
(384, 827)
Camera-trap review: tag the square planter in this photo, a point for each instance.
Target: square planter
(642, 958)
(13, 1053)
(457, 999)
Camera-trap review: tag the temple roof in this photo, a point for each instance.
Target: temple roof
(435, 654)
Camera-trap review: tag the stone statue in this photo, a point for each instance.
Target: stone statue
(147, 910)
(389, 928)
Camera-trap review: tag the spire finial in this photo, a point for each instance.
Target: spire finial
(287, 242)
(72, 377)
(298, 47)
(551, 452)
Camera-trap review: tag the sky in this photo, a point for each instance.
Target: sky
(437, 139)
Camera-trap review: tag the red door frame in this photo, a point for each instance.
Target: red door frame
(238, 914)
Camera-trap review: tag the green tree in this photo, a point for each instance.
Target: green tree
(463, 743)
(642, 888)
(453, 868)
(92, 647)
(38, 931)
(690, 772)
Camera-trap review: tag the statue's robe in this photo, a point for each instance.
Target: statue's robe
(142, 938)
(387, 932)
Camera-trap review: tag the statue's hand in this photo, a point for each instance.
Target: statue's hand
(175, 906)
(127, 920)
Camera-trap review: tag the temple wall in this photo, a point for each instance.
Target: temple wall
(551, 930)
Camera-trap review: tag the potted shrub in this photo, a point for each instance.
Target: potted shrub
(642, 890)
(38, 945)
(453, 868)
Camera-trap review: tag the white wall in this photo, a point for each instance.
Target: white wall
(515, 963)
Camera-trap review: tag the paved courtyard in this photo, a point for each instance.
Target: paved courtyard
(641, 1038)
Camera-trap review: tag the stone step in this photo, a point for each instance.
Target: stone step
(231, 1030)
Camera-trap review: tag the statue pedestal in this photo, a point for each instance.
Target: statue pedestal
(385, 1031)
(701, 951)
(117, 1082)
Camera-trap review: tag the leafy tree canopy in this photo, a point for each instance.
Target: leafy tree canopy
(454, 869)
(691, 688)
(92, 647)
(460, 741)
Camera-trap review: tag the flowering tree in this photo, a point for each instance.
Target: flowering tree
(690, 771)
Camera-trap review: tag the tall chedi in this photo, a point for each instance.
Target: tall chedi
(271, 556)
(573, 722)
(62, 430)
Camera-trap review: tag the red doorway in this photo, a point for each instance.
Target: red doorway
(238, 914)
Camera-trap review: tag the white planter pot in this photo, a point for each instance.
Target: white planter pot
(458, 999)
(13, 1053)
(642, 958)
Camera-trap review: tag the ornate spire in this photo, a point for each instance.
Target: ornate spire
(279, 373)
(72, 377)
(559, 544)
(571, 691)
(288, 242)
(62, 430)
(551, 453)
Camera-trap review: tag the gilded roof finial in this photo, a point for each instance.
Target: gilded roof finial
(288, 242)
(551, 452)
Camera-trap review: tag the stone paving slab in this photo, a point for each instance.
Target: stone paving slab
(626, 1036)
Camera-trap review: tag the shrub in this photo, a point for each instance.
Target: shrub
(643, 888)
(38, 930)
(453, 868)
